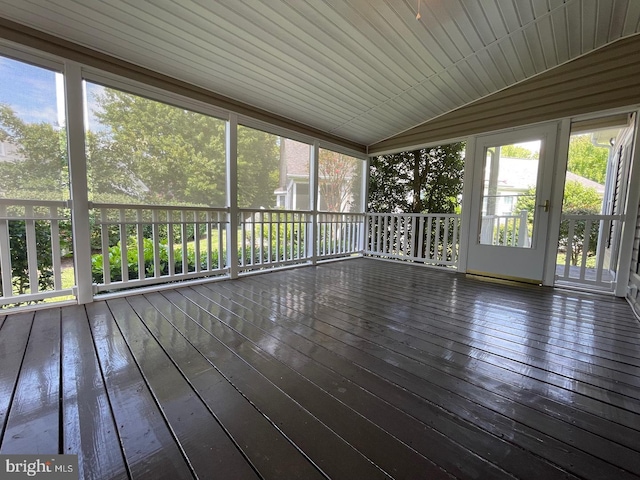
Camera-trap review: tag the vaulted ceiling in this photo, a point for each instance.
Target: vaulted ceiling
(363, 70)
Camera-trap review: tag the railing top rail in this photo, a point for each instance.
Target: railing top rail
(576, 216)
(440, 215)
(324, 212)
(132, 206)
(502, 216)
(272, 210)
(35, 203)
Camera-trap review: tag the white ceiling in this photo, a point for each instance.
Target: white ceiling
(364, 70)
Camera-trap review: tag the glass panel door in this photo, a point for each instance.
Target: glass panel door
(512, 177)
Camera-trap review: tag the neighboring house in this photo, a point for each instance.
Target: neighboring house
(517, 175)
(9, 152)
(293, 189)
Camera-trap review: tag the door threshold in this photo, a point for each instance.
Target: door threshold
(503, 280)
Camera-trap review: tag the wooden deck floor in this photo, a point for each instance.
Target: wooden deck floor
(361, 369)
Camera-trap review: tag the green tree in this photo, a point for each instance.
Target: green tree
(169, 154)
(428, 180)
(578, 200)
(258, 168)
(41, 170)
(587, 160)
(339, 179)
(516, 151)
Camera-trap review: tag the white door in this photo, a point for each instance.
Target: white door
(510, 205)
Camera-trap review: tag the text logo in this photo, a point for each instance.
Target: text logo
(45, 467)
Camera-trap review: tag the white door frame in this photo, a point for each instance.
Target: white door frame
(553, 153)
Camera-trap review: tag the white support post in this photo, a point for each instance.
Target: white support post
(232, 194)
(630, 217)
(314, 186)
(466, 236)
(364, 229)
(78, 181)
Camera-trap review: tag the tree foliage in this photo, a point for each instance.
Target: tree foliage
(516, 151)
(41, 172)
(587, 160)
(258, 168)
(339, 181)
(170, 155)
(428, 180)
(578, 200)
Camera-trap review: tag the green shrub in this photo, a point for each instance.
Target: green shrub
(19, 261)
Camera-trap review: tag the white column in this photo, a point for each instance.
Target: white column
(232, 194)
(78, 181)
(466, 235)
(312, 245)
(364, 231)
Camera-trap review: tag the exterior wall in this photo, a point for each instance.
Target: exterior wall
(633, 294)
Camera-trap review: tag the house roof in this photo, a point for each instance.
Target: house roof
(519, 174)
(361, 70)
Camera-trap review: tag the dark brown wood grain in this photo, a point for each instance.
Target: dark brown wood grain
(353, 369)
(89, 429)
(33, 423)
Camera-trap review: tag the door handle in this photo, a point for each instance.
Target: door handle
(545, 205)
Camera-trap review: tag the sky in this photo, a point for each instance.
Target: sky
(29, 90)
(37, 94)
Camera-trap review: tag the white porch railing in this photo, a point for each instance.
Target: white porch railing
(505, 230)
(424, 238)
(272, 238)
(156, 244)
(29, 231)
(586, 240)
(339, 234)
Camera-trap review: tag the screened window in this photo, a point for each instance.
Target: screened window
(33, 140)
(273, 171)
(144, 151)
(340, 182)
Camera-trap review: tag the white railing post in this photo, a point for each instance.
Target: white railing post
(523, 231)
(78, 181)
(232, 194)
(5, 254)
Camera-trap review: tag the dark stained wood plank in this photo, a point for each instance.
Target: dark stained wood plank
(350, 369)
(14, 336)
(33, 426)
(501, 360)
(150, 449)
(591, 379)
(520, 320)
(569, 415)
(208, 448)
(415, 312)
(380, 401)
(483, 390)
(271, 453)
(332, 454)
(89, 429)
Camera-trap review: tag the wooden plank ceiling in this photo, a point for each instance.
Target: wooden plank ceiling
(363, 70)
